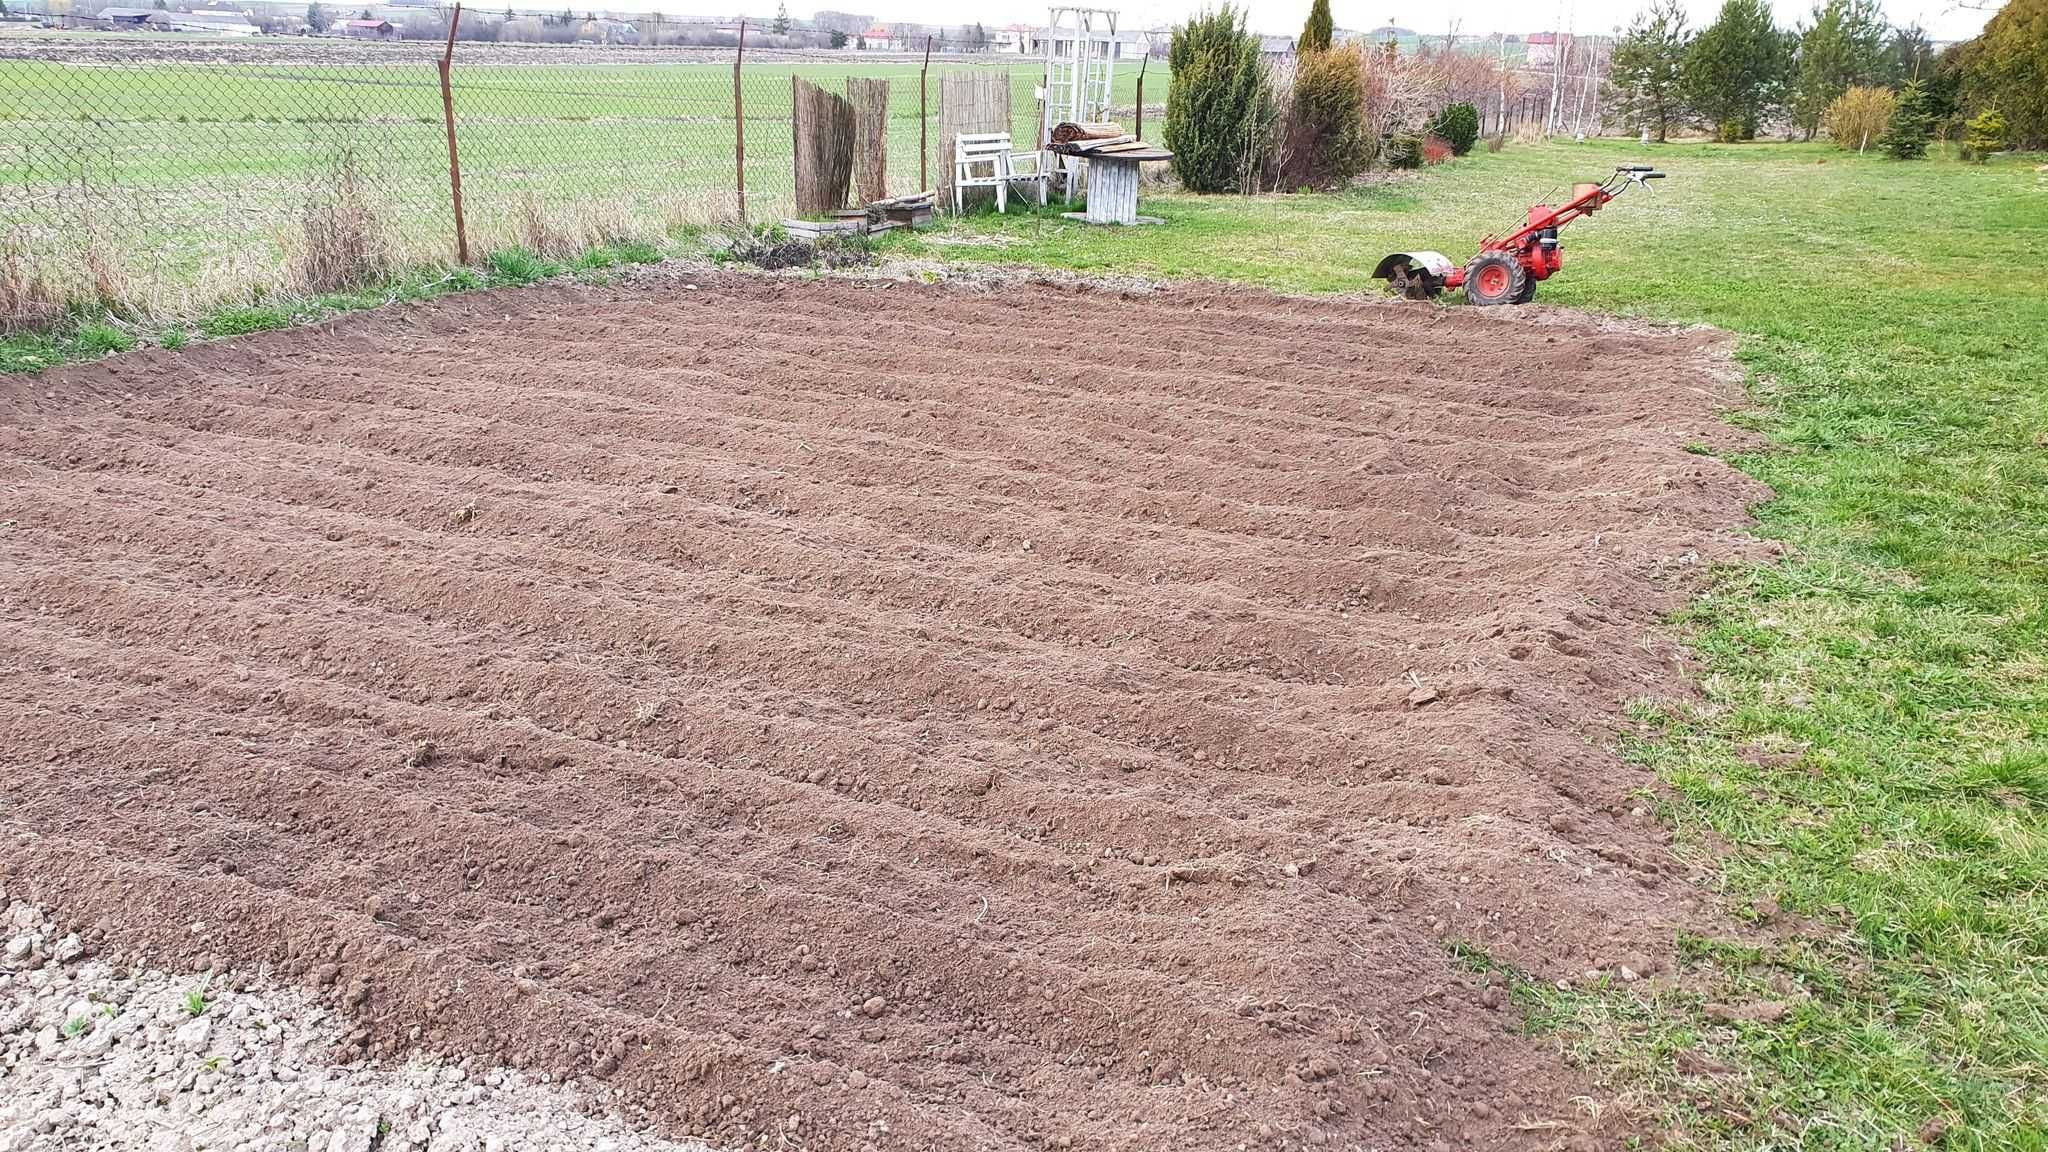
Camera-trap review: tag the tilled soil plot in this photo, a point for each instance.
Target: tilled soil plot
(848, 714)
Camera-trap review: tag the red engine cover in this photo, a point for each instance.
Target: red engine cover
(1541, 262)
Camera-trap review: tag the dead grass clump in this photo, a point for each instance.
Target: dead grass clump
(27, 298)
(40, 285)
(538, 234)
(106, 281)
(611, 223)
(1859, 116)
(834, 252)
(345, 245)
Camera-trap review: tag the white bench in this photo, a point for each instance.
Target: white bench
(984, 160)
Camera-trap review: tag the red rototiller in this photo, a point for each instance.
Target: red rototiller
(1507, 268)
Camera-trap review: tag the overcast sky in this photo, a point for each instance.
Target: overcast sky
(1942, 20)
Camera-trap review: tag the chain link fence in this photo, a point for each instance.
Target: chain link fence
(165, 174)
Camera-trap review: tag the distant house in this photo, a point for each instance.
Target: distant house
(1276, 49)
(1542, 49)
(134, 19)
(212, 22)
(369, 30)
(878, 38)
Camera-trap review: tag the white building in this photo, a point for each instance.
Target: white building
(216, 22)
(879, 38)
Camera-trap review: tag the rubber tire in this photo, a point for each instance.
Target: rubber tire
(1528, 292)
(1507, 288)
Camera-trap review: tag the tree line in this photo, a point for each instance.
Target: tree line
(1846, 70)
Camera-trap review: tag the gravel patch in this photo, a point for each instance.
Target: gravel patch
(97, 1055)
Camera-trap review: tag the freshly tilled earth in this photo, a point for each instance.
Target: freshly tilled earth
(860, 714)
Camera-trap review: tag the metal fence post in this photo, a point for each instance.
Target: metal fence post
(448, 116)
(739, 124)
(924, 148)
(1139, 131)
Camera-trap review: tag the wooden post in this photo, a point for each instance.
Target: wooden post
(448, 117)
(1139, 131)
(739, 126)
(924, 148)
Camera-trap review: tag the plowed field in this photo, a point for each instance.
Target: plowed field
(839, 714)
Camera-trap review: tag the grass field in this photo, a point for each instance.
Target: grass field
(1873, 752)
(189, 176)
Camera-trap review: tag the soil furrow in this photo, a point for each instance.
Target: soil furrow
(879, 705)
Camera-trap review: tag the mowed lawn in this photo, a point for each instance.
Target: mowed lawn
(1873, 753)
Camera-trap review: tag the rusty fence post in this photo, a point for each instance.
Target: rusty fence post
(448, 116)
(1139, 131)
(924, 147)
(739, 124)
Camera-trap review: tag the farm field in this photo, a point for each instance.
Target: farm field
(1868, 772)
(863, 737)
(189, 167)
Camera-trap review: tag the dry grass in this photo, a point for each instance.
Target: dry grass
(538, 234)
(343, 242)
(1858, 117)
(106, 281)
(78, 271)
(27, 298)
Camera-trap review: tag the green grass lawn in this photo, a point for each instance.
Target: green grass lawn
(1874, 746)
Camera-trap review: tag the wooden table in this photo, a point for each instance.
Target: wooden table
(1113, 183)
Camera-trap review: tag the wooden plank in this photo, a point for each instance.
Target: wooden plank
(1088, 147)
